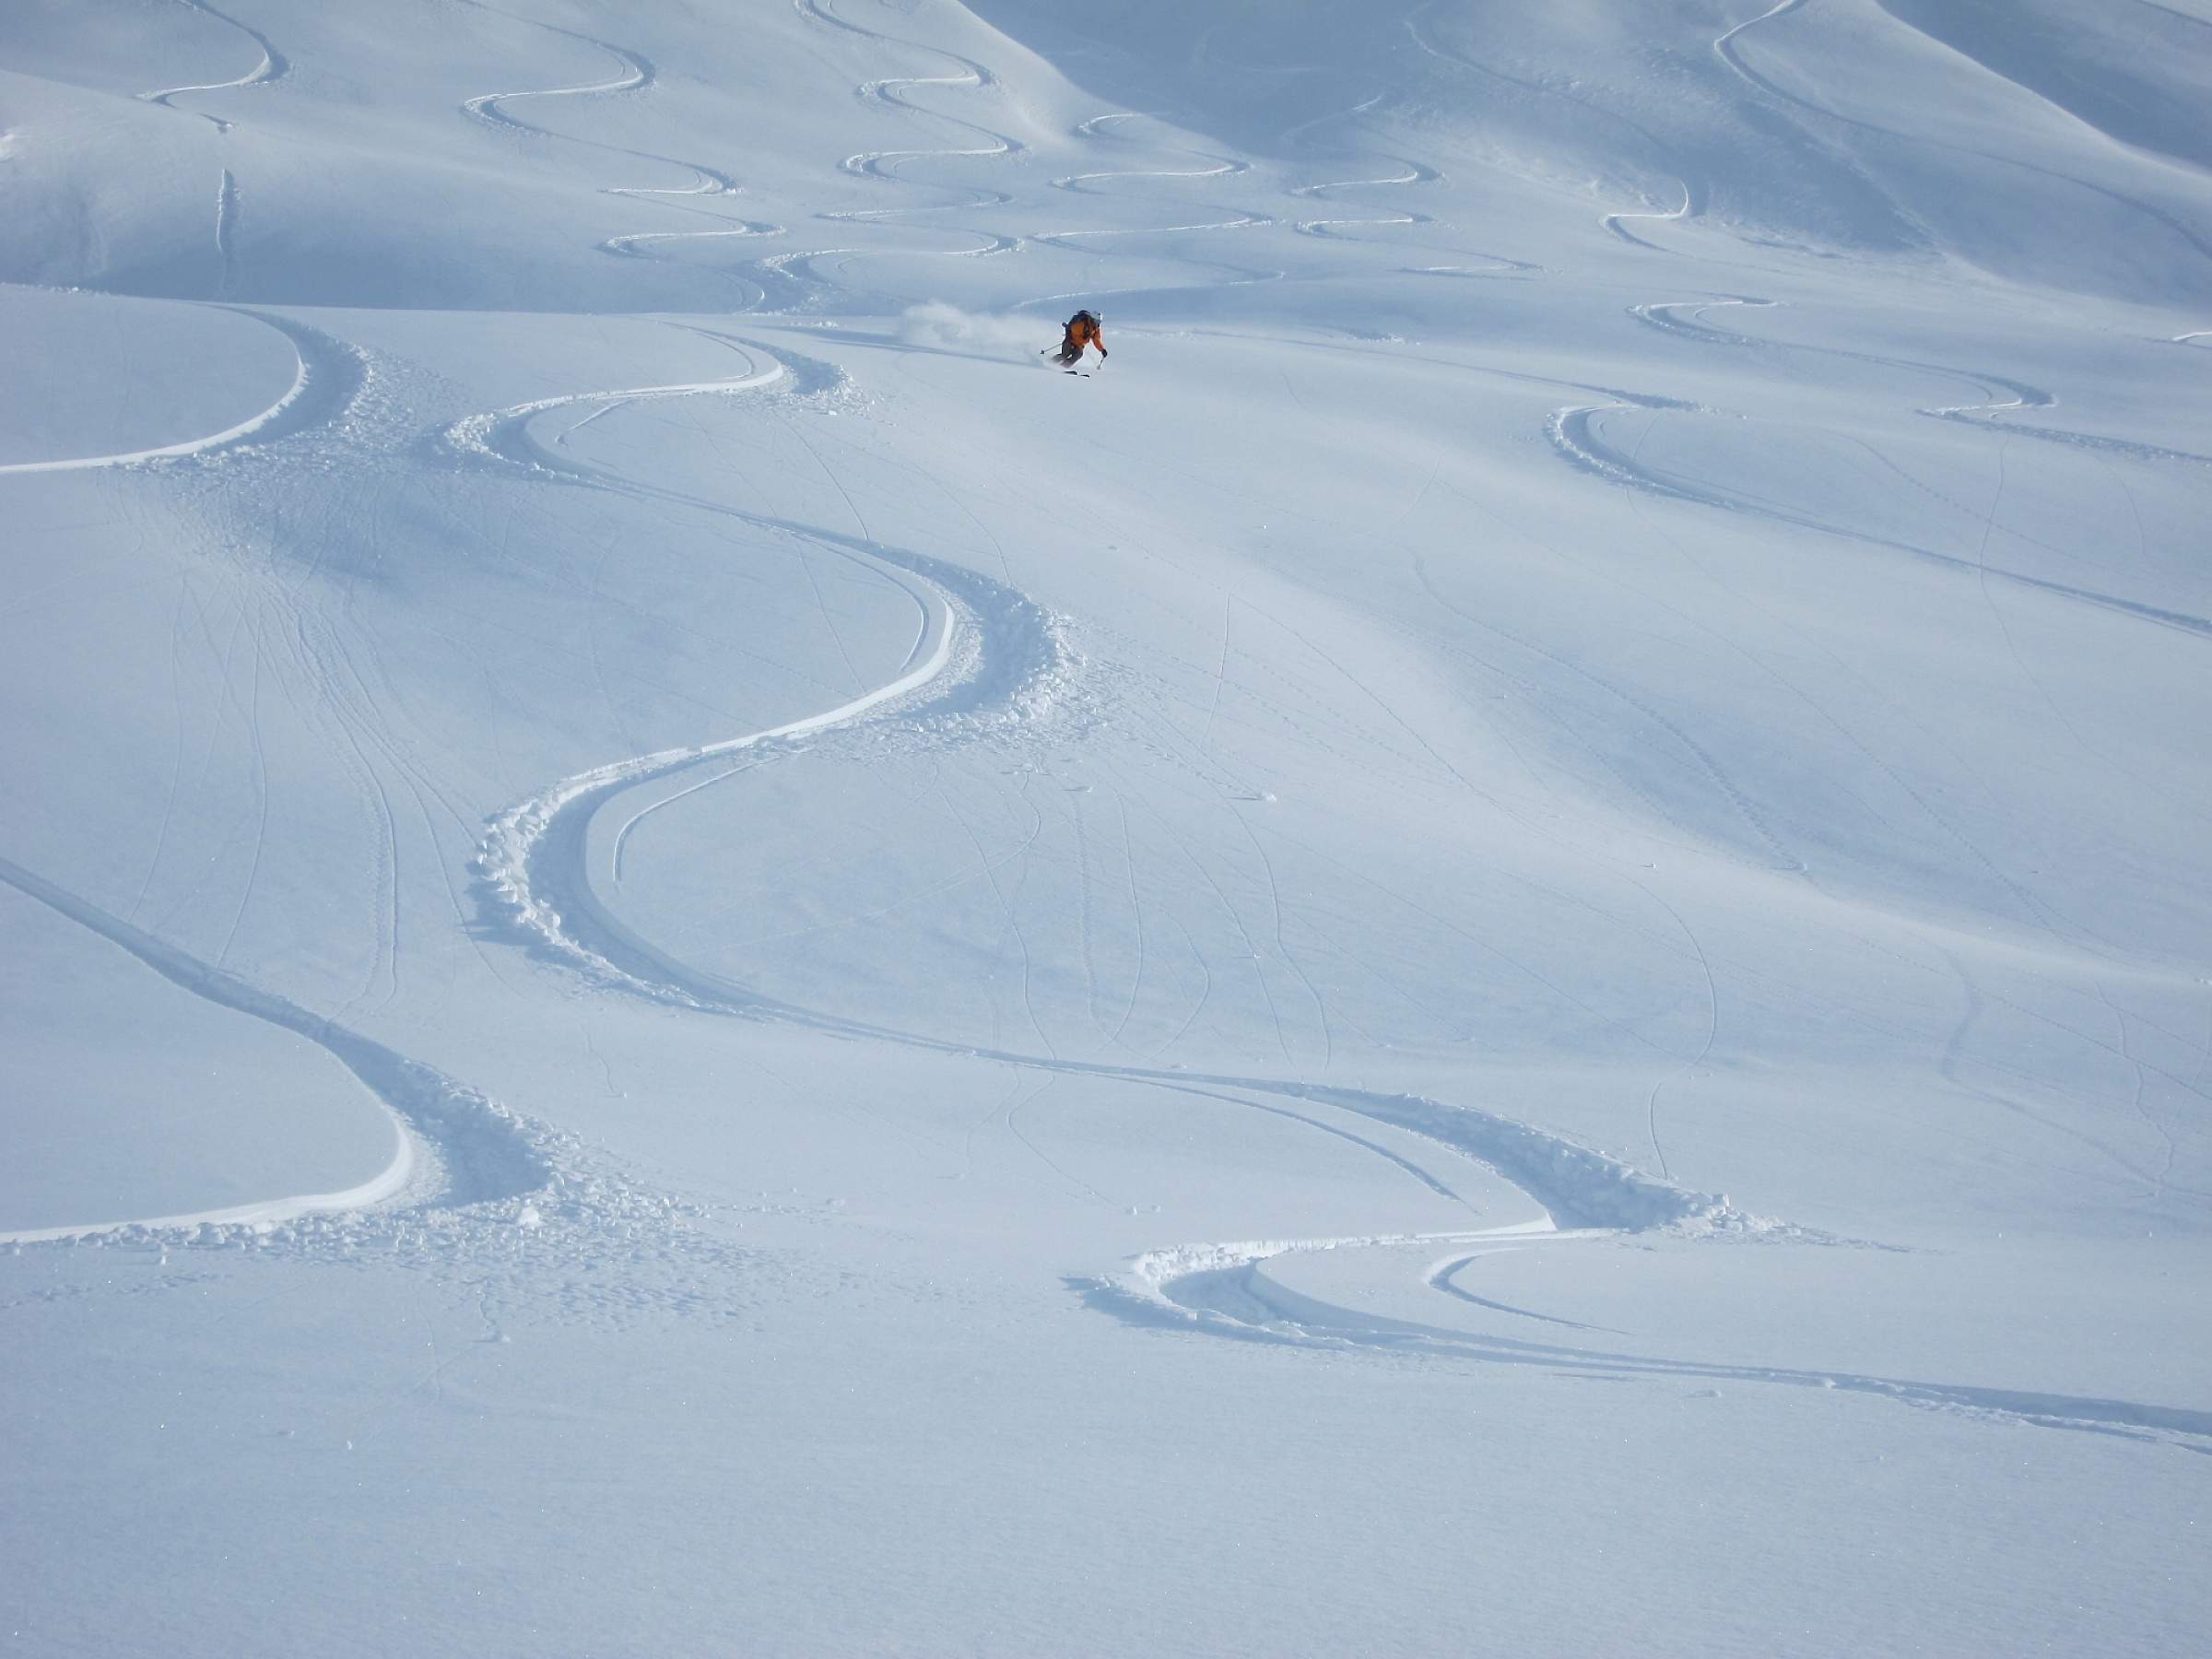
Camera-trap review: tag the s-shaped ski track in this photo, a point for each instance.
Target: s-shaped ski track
(638, 75)
(272, 68)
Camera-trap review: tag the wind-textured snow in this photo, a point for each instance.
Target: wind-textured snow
(1505, 946)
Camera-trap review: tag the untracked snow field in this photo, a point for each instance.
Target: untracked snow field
(1504, 947)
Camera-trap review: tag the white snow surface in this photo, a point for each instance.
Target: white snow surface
(1503, 946)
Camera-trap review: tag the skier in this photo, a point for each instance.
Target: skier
(1082, 330)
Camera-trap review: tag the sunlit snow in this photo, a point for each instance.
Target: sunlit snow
(1503, 944)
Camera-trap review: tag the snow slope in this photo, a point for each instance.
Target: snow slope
(1501, 946)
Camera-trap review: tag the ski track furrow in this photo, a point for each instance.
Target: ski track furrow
(226, 220)
(1784, 862)
(1502, 269)
(1328, 229)
(638, 74)
(1444, 1278)
(2133, 1068)
(1918, 798)
(629, 824)
(787, 281)
(1213, 707)
(1612, 221)
(350, 702)
(879, 164)
(1570, 433)
(1013, 1128)
(1733, 59)
(329, 375)
(1576, 1186)
(1205, 988)
(1085, 924)
(1245, 221)
(472, 1189)
(453, 1147)
(1222, 1290)
(1726, 50)
(1074, 181)
(498, 436)
(1693, 204)
(1137, 914)
(1573, 437)
(1712, 1028)
(1252, 952)
(1006, 905)
(1433, 1183)
(1282, 946)
(1415, 173)
(1224, 167)
(539, 877)
(993, 652)
(272, 68)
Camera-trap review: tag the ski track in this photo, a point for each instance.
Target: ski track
(1240, 275)
(1573, 432)
(1500, 269)
(1223, 1289)
(879, 164)
(1733, 59)
(638, 75)
(1725, 49)
(1693, 193)
(988, 662)
(1415, 173)
(990, 655)
(1445, 1277)
(454, 1147)
(1689, 209)
(472, 1189)
(2003, 396)
(499, 435)
(535, 861)
(790, 276)
(226, 218)
(272, 68)
(473, 1193)
(330, 374)
(1224, 167)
